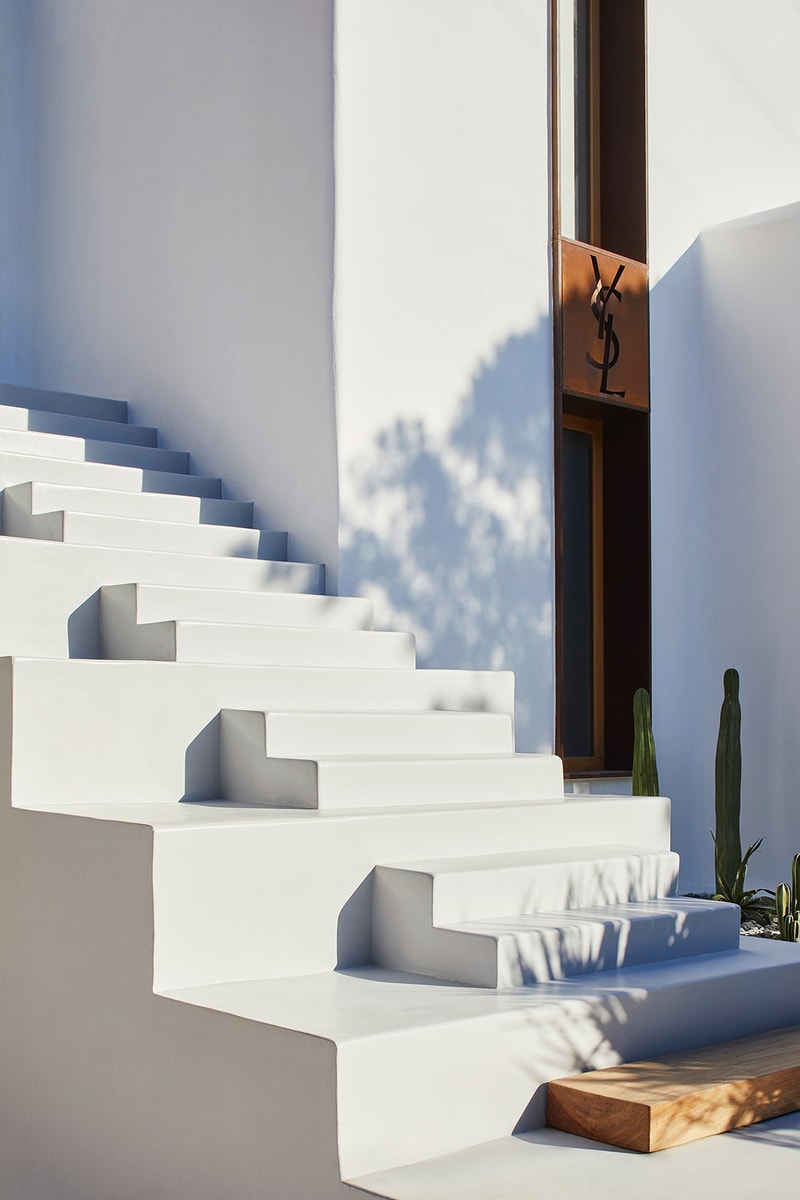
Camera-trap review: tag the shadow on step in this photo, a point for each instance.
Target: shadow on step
(354, 926)
(83, 629)
(201, 764)
(593, 1040)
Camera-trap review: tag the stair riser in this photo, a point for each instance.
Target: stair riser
(95, 407)
(333, 786)
(36, 498)
(75, 426)
(199, 643)
(311, 735)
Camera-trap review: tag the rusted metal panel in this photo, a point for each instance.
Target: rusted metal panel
(605, 326)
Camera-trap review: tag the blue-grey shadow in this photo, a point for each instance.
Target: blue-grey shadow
(467, 554)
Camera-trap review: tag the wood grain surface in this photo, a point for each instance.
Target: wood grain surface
(650, 1106)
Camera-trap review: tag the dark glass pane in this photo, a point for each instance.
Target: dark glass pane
(577, 593)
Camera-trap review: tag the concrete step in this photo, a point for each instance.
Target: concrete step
(56, 445)
(550, 879)
(12, 417)
(503, 920)
(311, 734)
(551, 1163)
(503, 952)
(94, 529)
(149, 731)
(22, 468)
(432, 1070)
(71, 403)
(33, 498)
(213, 861)
(53, 610)
(389, 782)
(209, 642)
(128, 610)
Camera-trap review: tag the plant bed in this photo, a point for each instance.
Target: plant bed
(748, 928)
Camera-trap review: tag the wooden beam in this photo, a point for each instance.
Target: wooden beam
(650, 1106)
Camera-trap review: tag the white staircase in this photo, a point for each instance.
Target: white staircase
(280, 910)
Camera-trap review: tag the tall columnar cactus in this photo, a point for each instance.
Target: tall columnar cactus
(787, 905)
(728, 785)
(645, 768)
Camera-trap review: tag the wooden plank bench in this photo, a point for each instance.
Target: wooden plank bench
(650, 1106)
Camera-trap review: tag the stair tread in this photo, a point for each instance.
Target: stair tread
(269, 630)
(367, 1002)
(119, 532)
(220, 641)
(112, 520)
(664, 1102)
(402, 761)
(550, 1162)
(256, 564)
(520, 858)
(219, 813)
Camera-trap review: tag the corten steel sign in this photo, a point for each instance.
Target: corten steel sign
(605, 326)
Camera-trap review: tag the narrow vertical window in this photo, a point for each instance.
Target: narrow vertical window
(602, 396)
(582, 567)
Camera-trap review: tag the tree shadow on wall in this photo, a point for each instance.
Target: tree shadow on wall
(451, 535)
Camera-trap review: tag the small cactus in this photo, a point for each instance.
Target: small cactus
(645, 768)
(728, 785)
(787, 905)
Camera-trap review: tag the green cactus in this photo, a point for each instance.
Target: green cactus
(787, 905)
(730, 869)
(728, 785)
(645, 768)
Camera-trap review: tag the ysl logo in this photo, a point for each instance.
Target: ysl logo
(601, 298)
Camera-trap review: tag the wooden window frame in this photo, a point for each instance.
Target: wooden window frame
(616, 212)
(593, 427)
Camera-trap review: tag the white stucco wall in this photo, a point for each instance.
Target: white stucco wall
(724, 142)
(178, 250)
(442, 331)
(723, 136)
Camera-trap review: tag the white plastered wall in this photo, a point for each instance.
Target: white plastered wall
(724, 142)
(167, 231)
(442, 331)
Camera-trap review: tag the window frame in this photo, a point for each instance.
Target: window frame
(593, 427)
